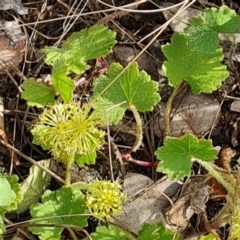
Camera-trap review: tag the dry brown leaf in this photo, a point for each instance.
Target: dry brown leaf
(194, 195)
(223, 162)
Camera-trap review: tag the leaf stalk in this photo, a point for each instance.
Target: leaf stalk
(68, 172)
(139, 132)
(216, 175)
(73, 235)
(168, 110)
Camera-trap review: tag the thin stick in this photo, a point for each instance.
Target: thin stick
(33, 161)
(109, 139)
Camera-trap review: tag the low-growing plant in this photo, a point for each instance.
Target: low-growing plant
(71, 131)
(196, 56)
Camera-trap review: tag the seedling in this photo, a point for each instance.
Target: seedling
(197, 60)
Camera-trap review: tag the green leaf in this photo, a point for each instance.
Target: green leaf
(54, 204)
(203, 72)
(131, 88)
(54, 54)
(7, 195)
(108, 233)
(10, 196)
(203, 31)
(176, 154)
(224, 20)
(155, 232)
(82, 159)
(34, 185)
(109, 110)
(202, 39)
(37, 94)
(210, 236)
(10, 192)
(62, 84)
(91, 43)
(81, 46)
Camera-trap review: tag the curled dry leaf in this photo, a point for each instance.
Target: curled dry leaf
(223, 162)
(193, 197)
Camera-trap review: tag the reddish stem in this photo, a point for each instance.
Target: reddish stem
(128, 158)
(83, 79)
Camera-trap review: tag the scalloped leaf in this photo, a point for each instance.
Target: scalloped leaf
(133, 87)
(37, 94)
(104, 106)
(34, 185)
(108, 233)
(91, 43)
(15, 187)
(7, 195)
(64, 201)
(203, 72)
(176, 154)
(87, 44)
(10, 196)
(203, 31)
(62, 84)
(155, 232)
(54, 53)
(207, 40)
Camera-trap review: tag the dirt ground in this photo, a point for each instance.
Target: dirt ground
(49, 23)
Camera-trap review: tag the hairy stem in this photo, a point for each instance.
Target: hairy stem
(216, 175)
(73, 235)
(168, 110)
(139, 132)
(68, 173)
(235, 206)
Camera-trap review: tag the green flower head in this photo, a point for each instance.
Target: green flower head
(66, 130)
(104, 199)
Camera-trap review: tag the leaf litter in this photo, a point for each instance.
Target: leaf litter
(225, 124)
